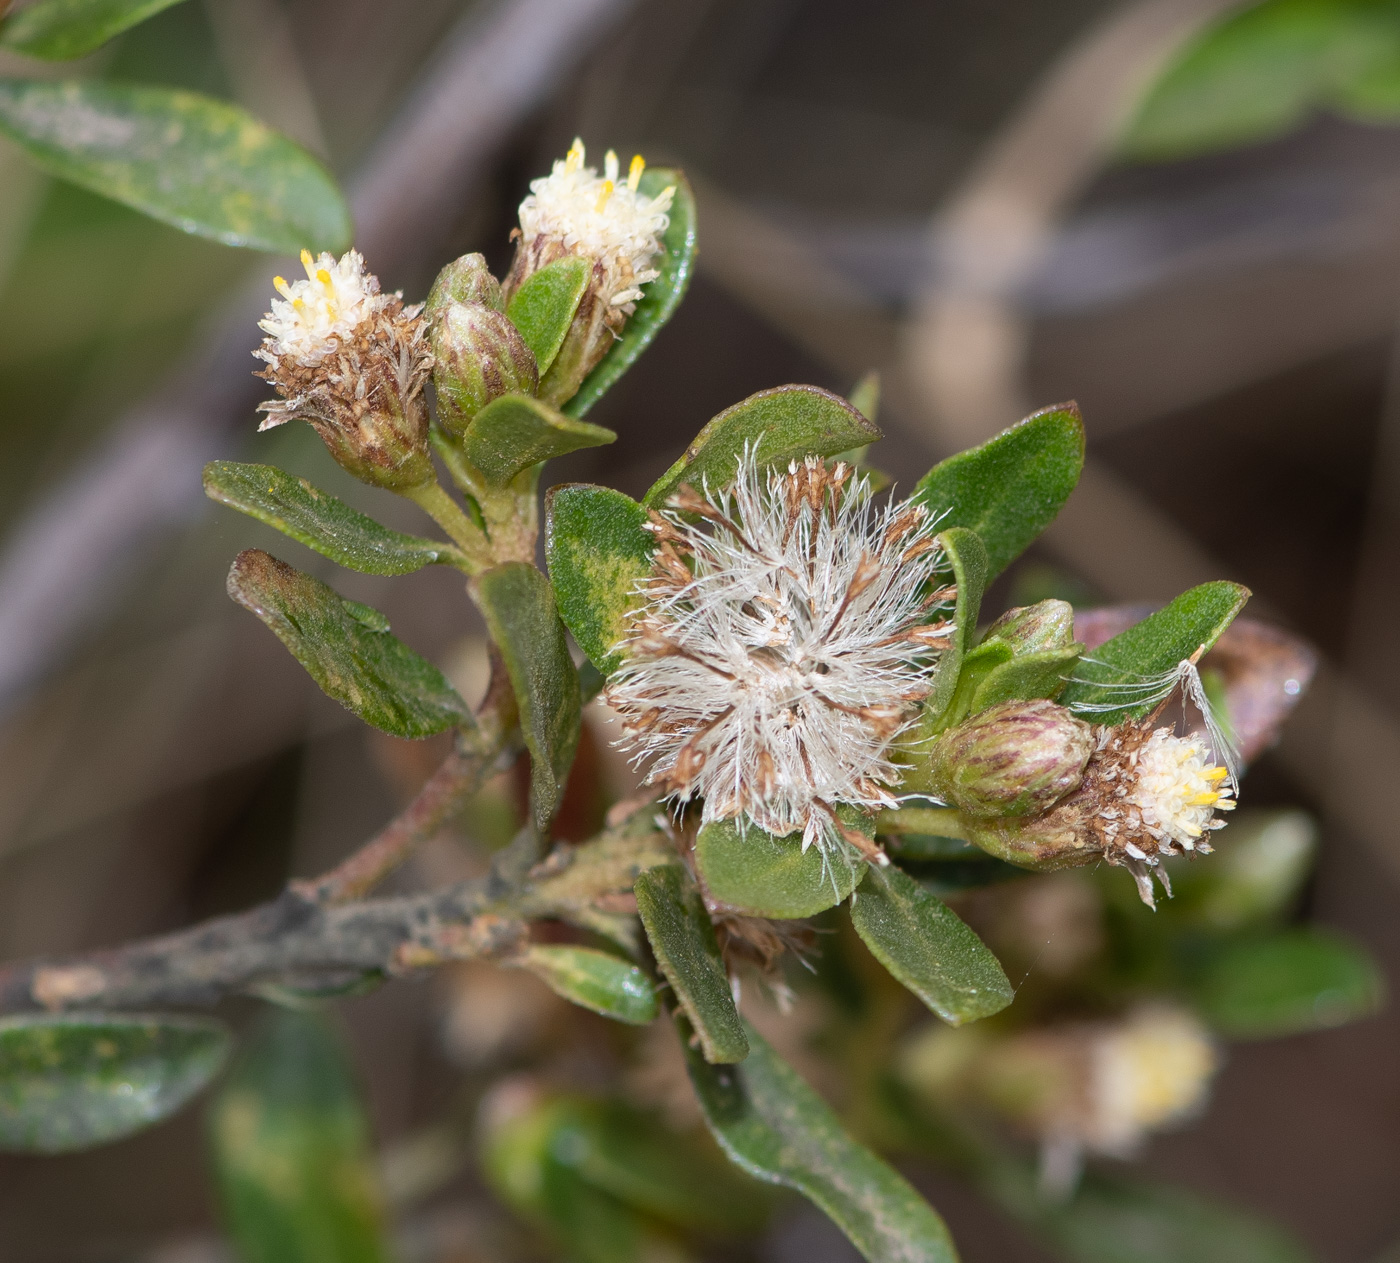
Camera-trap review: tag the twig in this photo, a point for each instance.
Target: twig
(298, 942)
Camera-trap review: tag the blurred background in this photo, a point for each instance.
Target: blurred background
(932, 188)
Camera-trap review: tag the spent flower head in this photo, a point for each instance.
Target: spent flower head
(351, 361)
(784, 643)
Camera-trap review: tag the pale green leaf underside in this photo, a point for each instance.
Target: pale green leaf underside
(543, 307)
(595, 980)
(516, 431)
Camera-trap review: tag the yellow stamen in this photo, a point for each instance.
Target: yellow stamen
(299, 304)
(604, 194)
(574, 159)
(279, 283)
(610, 166)
(1216, 774)
(324, 277)
(634, 172)
(1204, 800)
(308, 262)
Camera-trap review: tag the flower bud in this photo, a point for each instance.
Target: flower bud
(1016, 759)
(352, 362)
(606, 221)
(464, 280)
(478, 355)
(1034, 628)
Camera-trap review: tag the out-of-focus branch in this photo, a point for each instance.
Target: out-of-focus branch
(69, 553)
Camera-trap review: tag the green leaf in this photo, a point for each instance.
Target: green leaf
(928, 948)
(74, 1081)
(320, 521)
(683, 940)
(347, 653)
(660, 298)
(1122, 669)
(968, 559)
(1297, 980)
(543, 307)
(1113, 1220)
(782, 424)
(1031, 675)
(1259, 72)
(201, 165)
(763, 876)
(515, 431)
(518, 606)
(596, 980)
(59, 30)
(776, 1128)
(291, 1149)
(1010, 488)
(597, 553)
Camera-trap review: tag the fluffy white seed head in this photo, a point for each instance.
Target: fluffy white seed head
(599, 217)
(315, 317)
(783, 644)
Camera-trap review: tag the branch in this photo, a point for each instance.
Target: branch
(295, 941)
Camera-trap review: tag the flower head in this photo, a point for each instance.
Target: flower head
(783, 644)
(610, 223)
(352, 362)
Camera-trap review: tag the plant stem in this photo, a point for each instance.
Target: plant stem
(445, 511)
(944, 822)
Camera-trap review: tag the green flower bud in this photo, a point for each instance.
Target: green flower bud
(1033, 628)
(478, 356)
(464, 280)
(1016, 759)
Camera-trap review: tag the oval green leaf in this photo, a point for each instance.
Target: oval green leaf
(772, 1125)
(1114, 679)
(348, 653)
(1030, 675)
(596, 980)
(660, 298)
(1012, 487)
(968, 560)
(516, 431)
(291, 1149)
(75, 1081)
(763, 876)
(518, 605)
(543, 307)
(782, 424)
(597, 552)
(321, 521)
(683, 940)
(924, 944)
(201, 165)
(1298, 980)
(59, 30)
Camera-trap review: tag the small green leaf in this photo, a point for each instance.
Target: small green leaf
(683, 940)
(518, 606)
(924, 944)
(782, 424)
(543, 307)
(291, 1149)
(1031, 675)
(660, 297)
(75, 1081)
(1113, 1220)
(596, 980)
(59, 30)
(968, 559)
(201, 165)
(772, 1125)
(1297, 980)
(320, 521)
(1119, 673)
(1010, 488)
(597, 553)
(865, 396)
(515, 431)
(354, 661)
(764, 876)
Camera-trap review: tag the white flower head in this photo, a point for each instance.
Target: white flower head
(315, 317)
(783, 645)
(574, 210)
